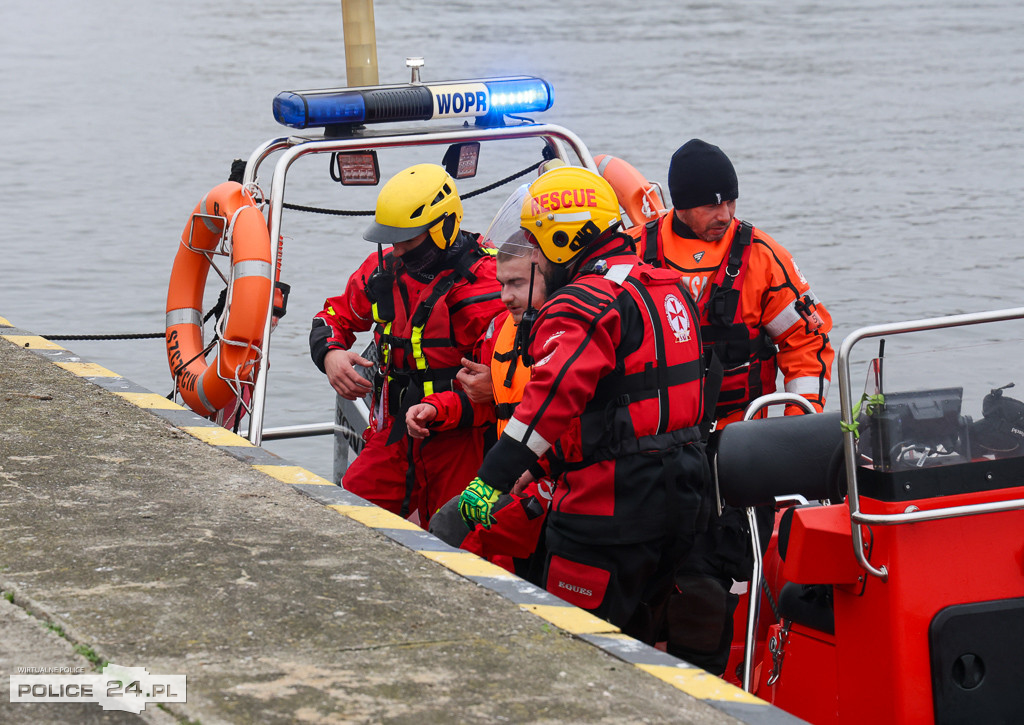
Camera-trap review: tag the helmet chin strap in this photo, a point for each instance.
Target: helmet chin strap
(443, 232)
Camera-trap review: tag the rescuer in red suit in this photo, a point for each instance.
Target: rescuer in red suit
(428, 298)
(614, 400)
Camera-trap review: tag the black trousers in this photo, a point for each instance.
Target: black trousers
(639, 578)
(621, 566)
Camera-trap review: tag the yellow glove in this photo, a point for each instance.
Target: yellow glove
(477, 502)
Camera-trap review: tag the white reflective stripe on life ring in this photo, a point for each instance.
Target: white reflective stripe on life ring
(202, 393)
(184, 316)
(217, 229)
(251, 268)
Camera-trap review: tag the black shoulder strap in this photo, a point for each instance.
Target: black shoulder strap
(467, 257)
(739, 245)
(441, 288)
(651, 243)
(723, 299)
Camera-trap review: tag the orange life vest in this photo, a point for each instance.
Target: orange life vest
(509, 375)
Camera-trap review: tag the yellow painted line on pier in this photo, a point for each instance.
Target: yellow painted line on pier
(150, 401)
(32, 342)
(700, 684)
(467, 564)
(216, 436)
(87, 370)
(571, 619)
(375, 517)
(293, 474)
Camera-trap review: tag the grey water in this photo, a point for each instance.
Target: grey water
(881, 142)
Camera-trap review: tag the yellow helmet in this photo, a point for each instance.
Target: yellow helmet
(421, 198)
(566, 209)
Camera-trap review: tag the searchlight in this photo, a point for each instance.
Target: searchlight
(488, 100)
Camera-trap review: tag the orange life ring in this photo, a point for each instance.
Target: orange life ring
(208, 388)
(636, 195)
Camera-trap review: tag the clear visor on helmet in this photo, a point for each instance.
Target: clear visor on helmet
(506, 222)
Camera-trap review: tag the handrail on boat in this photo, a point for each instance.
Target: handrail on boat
(295, 147)
(757, 570)
(846, 403)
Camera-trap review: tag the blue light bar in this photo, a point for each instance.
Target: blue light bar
(487, 100)
(522, 96)
(303, 111)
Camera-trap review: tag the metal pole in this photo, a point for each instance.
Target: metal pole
(753, 602)
(360, 36)
(341, 446)
(757, 572)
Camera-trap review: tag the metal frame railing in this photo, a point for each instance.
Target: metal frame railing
(561, 141)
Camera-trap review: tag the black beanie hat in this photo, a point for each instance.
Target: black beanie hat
(700, 174)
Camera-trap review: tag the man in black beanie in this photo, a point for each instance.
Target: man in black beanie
(701, 175)
(758, 316)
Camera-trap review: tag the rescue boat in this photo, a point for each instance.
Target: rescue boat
(897, 579)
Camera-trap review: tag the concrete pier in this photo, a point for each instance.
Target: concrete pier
(137, 533)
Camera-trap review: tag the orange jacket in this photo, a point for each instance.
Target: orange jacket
(774, 298)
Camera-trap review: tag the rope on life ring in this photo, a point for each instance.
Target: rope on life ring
(227, 221)
(637, 196)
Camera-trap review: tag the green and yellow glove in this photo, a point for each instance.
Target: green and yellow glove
(477, 502)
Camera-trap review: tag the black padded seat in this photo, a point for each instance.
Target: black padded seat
(809, 605)
(757, 460)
